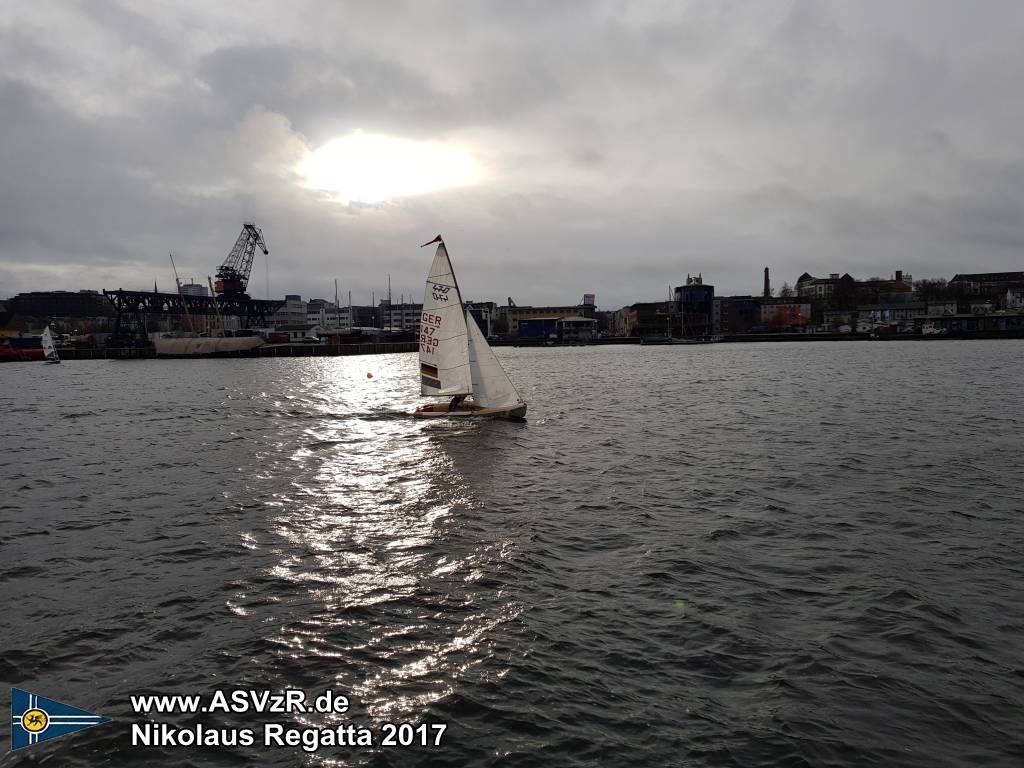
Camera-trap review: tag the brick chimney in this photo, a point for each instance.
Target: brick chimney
(767, 285)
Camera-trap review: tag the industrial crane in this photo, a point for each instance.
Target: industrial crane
(233, 274)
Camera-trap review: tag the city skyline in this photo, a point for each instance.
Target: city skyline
(376, 298)
(560, 150)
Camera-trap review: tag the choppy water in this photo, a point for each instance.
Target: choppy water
(779, 554)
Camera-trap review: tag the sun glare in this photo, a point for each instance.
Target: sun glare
(371, 168)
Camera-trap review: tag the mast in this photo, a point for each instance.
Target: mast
(337, 309)
(455, 279)
(184, 303)
(216, 307)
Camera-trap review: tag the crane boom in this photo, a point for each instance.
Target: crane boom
(233, 274)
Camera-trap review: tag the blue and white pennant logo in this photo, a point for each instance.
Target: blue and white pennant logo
(35, 719)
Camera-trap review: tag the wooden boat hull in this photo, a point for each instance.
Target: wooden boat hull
(441, 412)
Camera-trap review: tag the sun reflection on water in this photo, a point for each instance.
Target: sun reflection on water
(374, 557)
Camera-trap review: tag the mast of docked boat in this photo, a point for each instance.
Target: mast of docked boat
(177, 282)
(216, 307)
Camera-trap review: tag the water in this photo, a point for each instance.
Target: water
(779, 554)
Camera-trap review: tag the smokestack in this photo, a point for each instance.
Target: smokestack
(767, 285)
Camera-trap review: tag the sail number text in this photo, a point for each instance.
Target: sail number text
(429, 324)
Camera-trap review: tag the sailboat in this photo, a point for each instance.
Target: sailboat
(49, 350)
(455, 359)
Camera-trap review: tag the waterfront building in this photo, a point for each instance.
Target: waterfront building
(76, 312)
(785, 313)
(647, 318)
(404, 316)
(901, 314)
(537, 328)
(56, 304)
(822, 288)
(1015, 298)
(941, 307)
(580, 329)
(193, 288)
(987, 283)
(292, 313)
(735, 314)
(485, 313)
(510, 315)
(840, 291)
(900, 287)
(695, 300)
(299, 331)
(358, 317)
(323, 313)
(839, 320)
(563, 329)
(1004, 323)
(623, 321)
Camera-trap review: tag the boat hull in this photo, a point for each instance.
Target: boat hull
(16, 355)
(206, 347)
(472, 412)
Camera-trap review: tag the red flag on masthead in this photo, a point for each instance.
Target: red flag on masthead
(435, 240)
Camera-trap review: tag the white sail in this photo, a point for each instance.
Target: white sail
(492, 388)
(444, 348)
(49, 350)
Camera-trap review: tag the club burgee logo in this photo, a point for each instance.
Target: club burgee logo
(35, 719)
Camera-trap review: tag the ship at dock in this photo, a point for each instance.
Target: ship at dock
(205, 317)
(220, 342)
(232, 281)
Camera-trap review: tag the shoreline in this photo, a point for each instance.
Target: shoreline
(344, 350)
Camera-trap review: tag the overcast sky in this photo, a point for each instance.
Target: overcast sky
(560, 148)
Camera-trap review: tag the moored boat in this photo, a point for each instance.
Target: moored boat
(206, 346)
(14, 349)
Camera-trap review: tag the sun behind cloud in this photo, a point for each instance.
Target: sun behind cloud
(372, 168)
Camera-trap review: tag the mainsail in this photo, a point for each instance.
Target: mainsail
(444, 349)
(492, 388)
(49, 350)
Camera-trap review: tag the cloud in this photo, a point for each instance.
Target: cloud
(621, 146)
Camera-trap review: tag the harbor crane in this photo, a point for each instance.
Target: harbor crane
(233, 274)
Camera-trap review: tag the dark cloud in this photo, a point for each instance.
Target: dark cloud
(624, 145)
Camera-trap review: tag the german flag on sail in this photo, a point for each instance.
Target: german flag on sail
(428, 373)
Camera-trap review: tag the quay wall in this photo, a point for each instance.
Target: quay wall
(270, 350)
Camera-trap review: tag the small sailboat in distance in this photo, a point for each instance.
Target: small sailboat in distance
(49, 350)
(455, 359)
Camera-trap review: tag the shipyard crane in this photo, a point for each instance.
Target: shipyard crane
(233, 274)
